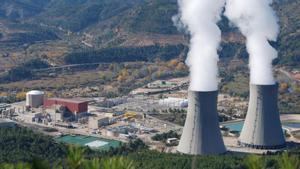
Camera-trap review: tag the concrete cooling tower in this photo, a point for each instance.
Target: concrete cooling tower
(262, 128)
(201, 133)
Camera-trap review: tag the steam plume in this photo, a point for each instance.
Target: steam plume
(257, 21)
(199, 18)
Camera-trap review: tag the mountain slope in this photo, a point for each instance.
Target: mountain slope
(20, 9)
(54, 28)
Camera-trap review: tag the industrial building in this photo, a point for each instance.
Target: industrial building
(75, 106)
(262, 128)
(33, 117)
(97, 122)
(125, 131)
(6, 110)
(35, 99)
(201, 133)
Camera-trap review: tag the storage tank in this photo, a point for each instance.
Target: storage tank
(34, 99)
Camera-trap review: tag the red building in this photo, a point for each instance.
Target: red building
(73, 105)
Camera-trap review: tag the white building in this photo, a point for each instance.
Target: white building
(174, 102)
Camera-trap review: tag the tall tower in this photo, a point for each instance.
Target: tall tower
(262, 128)
(201, 133)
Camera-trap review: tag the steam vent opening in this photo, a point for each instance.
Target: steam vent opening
(201, 134)
(262, 128)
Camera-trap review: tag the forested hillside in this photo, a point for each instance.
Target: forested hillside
(26, 149)
(32, 26)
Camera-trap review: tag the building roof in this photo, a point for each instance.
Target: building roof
(73, 100)
(35, 92)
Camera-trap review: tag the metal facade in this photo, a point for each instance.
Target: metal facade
(71, 105)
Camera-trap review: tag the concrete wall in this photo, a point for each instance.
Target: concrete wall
(262, 128)
(34, 101)
(201, 133)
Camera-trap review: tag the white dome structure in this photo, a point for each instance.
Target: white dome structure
(34, 98)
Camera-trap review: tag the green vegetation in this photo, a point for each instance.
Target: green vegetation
(254, 162)
(21, 144)
(239, 86)
(30, 37)
(148, 17)
(24, 71)
(36, 63)
(118, 20)
(18, 73)
(104, 80)
(24, 145)
(289, 45)
(164, 136)
(21, 8)
(176, 116)
(22, 148)
(233, 51)
(76, 15)
(289, 102)
(119, 31)
(148, 53)
(154, 160)
(75, 160)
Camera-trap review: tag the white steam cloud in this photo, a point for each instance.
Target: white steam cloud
(199, 18)
(258, 22)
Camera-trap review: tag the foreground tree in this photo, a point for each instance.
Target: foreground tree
(254, 162)
(75, 157)
(288, 162)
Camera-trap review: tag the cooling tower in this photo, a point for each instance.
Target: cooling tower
(262, 128)
(201, 133)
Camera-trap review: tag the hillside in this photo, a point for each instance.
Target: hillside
(52, 29)
(31, 149)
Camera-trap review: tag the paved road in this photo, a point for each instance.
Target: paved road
(75, 65)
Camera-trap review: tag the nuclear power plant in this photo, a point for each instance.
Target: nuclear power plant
(201, 134)
(262, 128)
